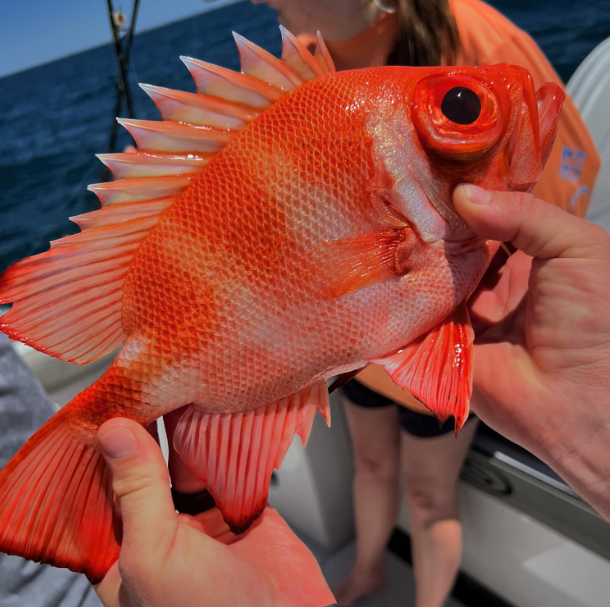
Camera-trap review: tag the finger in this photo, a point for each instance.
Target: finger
(108, 589)
(532, 225)
(183, 478)
(141, 482)
(492, 303)
(191, 521)
(212, 523)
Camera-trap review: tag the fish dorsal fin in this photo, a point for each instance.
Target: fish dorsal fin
(323, 56)
(67, 301)
(298, 57)
(262, 65)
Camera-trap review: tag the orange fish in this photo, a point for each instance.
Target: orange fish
(280, 227)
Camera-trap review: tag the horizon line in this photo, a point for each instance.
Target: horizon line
(213, 5)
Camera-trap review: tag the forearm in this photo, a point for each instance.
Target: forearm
(573, 440)
(583, 461)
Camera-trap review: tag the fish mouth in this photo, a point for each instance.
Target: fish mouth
(549, 99)
(535, 132)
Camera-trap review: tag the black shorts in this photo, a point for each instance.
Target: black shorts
(417, 424)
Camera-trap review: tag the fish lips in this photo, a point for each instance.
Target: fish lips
(550, 98)
(536, 130)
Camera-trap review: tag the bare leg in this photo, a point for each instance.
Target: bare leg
(431, 467)
(376, 443)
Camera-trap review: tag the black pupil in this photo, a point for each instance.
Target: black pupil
(461, 105)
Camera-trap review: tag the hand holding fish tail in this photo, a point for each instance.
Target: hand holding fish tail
(169, 559)
(542, 371)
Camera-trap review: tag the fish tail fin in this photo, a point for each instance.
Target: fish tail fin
(56, 499)
(235, 454)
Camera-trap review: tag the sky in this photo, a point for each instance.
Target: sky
(38, 31)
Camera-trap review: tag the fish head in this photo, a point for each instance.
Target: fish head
(484, 125)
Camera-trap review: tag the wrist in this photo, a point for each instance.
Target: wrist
(582, 459)
(573, 439)
(576, 444)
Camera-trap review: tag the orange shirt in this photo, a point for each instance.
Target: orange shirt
(487, 37)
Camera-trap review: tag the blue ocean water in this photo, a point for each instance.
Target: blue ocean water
(55, 117)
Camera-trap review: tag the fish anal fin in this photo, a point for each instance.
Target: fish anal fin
(56, 501)
(234, 454)
(437, 367)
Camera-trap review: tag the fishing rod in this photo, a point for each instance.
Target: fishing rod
(122, 50)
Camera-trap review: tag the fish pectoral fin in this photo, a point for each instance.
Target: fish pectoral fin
(437, 367)
(56, 501)
(349, 264)
(234, 454)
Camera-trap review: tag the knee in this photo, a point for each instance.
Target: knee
(376, 465)
(429, 501)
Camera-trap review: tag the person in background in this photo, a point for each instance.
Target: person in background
(389, 439)
(542, 378)
(24, 407)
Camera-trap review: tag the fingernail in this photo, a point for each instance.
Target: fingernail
(118, 442)
(476, 195)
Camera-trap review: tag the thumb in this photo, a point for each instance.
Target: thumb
(534, 226)
(141, 483)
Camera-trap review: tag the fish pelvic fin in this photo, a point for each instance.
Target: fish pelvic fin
(235, 454)
(56, 500)
(67, 301)
(437, 368)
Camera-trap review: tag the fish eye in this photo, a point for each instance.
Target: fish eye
(461, 105)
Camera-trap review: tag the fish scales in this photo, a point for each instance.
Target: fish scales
(280, 227)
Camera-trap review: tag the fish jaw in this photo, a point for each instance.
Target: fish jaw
(535, 129)
(549, 99)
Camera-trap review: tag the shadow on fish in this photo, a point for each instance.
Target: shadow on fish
(280, 227)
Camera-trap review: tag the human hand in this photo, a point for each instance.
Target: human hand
(542, 349)
(169, 559)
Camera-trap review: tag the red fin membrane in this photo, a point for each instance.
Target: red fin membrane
(56, 501)
(235, 454)
(437, 368)
(350, 264)
(67, 301)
